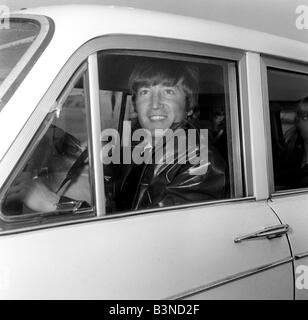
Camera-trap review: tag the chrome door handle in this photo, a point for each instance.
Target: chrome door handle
(270, 232)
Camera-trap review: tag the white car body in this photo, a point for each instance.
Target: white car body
(189, 251)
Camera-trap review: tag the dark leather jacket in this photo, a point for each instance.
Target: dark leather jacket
(167, 184)
(289, 171)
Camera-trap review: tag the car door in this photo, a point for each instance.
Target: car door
(284, 90)
(181, 252)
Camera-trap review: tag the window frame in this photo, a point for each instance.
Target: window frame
(144, 43)
(281, 65)
(202, 51)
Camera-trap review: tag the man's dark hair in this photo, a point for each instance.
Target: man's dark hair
(166, 72)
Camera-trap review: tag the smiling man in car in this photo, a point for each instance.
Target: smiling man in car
(165, 94)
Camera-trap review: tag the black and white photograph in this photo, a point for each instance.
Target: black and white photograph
(153, 150)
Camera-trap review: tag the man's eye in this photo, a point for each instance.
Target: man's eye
(169, 92)
(143, 92)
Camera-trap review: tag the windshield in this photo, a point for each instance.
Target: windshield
(13, 44)
(19, 45)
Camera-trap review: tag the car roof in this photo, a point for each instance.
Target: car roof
(76, 24)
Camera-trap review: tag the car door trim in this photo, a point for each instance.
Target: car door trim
(94, 123)
(237, 276)
(301, 255)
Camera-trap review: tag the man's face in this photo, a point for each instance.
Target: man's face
(160, 106)
(302, 124)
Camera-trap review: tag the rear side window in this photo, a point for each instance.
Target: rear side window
(288, 104)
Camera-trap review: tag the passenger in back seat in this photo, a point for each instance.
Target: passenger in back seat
(292, 171)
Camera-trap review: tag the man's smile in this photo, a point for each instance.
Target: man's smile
(157, 117)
